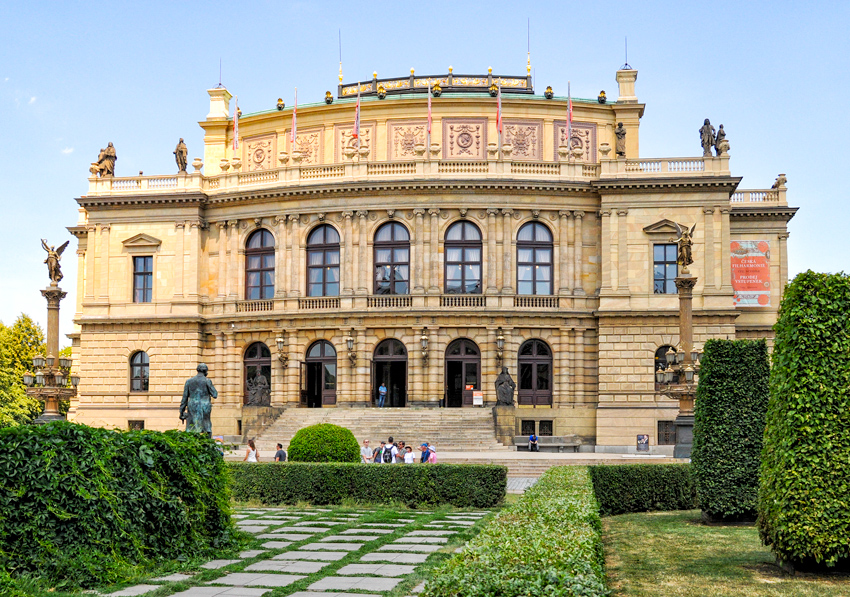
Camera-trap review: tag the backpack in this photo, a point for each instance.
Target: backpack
(388, 456)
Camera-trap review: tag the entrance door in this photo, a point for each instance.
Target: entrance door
(463, 372)
(535, 374)
(390, 369)
(320, 373)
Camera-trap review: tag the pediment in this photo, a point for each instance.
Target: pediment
(142, 241)
(662, 227)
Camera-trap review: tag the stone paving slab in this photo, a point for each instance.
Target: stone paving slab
(176, 577)
(331, 556)
(376, 569)
(302, 530)
(137, 590)
(463, 523)
(344, 583)
(285, 536)
(418, 588)
(266, 521)
(363, 538)
(367, 531)
(430, 533)
(382, 524)
(320, 594)
(240, 516)
(313, 522)
(295, 566)
(216, 564)
(411, 547)
(251, 553)
(245, 579)
(276, 544)
(221, 592)
(422, 540)
(253, 528)
(408, 520)
(332, 546)
(463, 517)
(397, 557)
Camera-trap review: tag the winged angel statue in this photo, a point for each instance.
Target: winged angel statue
(684, 240)
(52, 261)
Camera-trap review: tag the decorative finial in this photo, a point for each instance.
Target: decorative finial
(528, 64)
(450, 70)
(375, 74)
(490, 69)
(411, 71)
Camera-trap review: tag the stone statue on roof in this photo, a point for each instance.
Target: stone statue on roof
(620, 132)
(181, 154)
(706, 137)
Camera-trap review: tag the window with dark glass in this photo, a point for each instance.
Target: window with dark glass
(392, 259)
(258, 375)
(534, 259)
(139, 372)
(535, 373)
(142, 279)
(259, 268)
(527, 427)
(665, 268)
(323, 261)
(545, 429)
(666, 433)
(463, 259)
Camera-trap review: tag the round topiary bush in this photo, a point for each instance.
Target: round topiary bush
(324, 443)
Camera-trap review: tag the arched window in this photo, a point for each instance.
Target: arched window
(259, 266)
(318, 375)
(535, 373)
(661, 363)
(392, 259)
(463, 259)
(258, 374)
(323, 261)
(139, 372)
(534, 259)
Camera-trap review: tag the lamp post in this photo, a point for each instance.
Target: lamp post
(349, 343)
(281, 349)
(500, 347)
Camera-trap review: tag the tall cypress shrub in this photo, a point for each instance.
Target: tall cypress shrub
(804, 494)
(729, 415)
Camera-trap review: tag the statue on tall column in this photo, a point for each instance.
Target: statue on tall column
(196, 406)
(181, 155)
(706, 138)
(505, 387)
(52, 261)
(620, 133)
(685, 242)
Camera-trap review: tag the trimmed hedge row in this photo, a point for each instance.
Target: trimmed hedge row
(547, 544)
(81, 506)
(624, 488)
(460, 485)
(729, 414)
(804, 510)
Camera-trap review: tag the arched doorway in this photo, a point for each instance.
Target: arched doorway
(389, 367)
(535, 374)
(318, 375)
(463, 372)
(257, 364)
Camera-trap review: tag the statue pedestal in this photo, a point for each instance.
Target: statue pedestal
(504, 420)
(256, 418)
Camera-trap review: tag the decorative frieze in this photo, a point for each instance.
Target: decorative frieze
(343, 139)
(403, 137)
(525, 138)
(309, 144)
(583, 138)
(464, 138)
(259, 153)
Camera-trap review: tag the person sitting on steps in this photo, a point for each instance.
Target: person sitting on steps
(532, 443)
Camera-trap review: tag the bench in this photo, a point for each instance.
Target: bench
(549, 443)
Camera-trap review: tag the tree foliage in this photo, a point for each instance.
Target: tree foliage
(804, 510)
(19, 343)
(729, 416)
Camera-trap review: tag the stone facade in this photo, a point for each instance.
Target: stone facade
(599, 319)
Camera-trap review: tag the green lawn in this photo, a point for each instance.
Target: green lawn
(668, 554)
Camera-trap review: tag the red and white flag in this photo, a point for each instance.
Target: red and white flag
(499, 110)
(429, 108)
(355, 133)
(236, 125)
(568, 132)
(294, 135)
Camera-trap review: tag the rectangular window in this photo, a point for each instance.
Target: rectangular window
(136, 425)
(665, 268)
(142, 279)
(527, 427)
(545, 429)
(666, 433)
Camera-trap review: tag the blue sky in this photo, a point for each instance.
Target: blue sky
(74, 76)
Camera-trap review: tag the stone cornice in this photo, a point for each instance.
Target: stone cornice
(766, 213)
(193, 199)
(652, 185)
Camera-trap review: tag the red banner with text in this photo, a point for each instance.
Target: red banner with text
(751, 273)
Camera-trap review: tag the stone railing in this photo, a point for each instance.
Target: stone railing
(665, 167)
(389, 302)
(537, 302)
(251, 306)
(760, 197)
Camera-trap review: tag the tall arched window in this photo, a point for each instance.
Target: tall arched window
(323, 261)
(259, 266)
(258, 374)
(463, 258)
(535, 373)
(534, 259)
(392, 259)
(139, 372)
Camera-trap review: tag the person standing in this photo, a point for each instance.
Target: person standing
(425, 453)
(251, 454)
(409, 457)
(402, 450)
(382, 395)
(366, 452)
(378, 455)
(390, 452)
(280, 455)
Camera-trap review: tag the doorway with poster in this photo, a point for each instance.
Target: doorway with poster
(463, 373)
(318, 376)
(389, 367)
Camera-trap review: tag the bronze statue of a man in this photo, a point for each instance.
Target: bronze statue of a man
(196, 406)
(505, 387)
(706, 138)
(53, 256)
(181, 154)
(620, 133)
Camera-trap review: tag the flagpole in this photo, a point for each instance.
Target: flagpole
(428, 131)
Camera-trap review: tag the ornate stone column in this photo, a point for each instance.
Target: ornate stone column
(348, 271)
(222, 258)
(725, 248)
(179, 257)
(91, 255)
(233, 256)
(605, 253)
(193, 257)
(571, 252)
(364, 273)
(280, 258)
(492, 231)
(578, 283)
(507, 249)
(419, 251)
(434, 252)
(295, 260)
(565, 279)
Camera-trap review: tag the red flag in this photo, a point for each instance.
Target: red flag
(355, 133)
(236, 125)
(429, 108)
(499, 110)
(294, 135)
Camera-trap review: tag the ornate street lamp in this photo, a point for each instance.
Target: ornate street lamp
(500, 346)
(423, 342)
(349, 342)
(281, 349)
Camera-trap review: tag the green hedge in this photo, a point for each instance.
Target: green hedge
(324, 442)
(547, 544)
(81, 506)
(623, 488)
(804, 494)
(729, 412)
(460, 485)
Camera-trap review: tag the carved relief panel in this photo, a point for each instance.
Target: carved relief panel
(403, 136)
(464, 138)
(343, 139)
(584, 138)
(309, 143)
(259, 153)
(525, 137)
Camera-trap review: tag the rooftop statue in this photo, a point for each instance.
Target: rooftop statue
(181, 154)
(706, 137)
(196, 406)
(105, 165)
(718, 141)
(620, 132)
(52, 261)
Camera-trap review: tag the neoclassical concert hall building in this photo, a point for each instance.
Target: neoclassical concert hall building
(308, 272)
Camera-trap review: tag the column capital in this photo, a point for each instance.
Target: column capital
(434, 211)
(233, 223)
(578, 214)
(362, 213)
(179, 225)
(492, 211)
(564, 213)
(105, 227)
(347, 214)
(418, 211)
(622, 212)
(783, 235)
(725, 210)
(222, 224)
(604, 212)
(708, 210)
(507, 212)
(295, 218)
(280, 219)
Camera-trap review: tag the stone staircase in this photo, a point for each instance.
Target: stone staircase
(446, 428)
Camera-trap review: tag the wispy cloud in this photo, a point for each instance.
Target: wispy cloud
(68, 150)
(32, 100)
